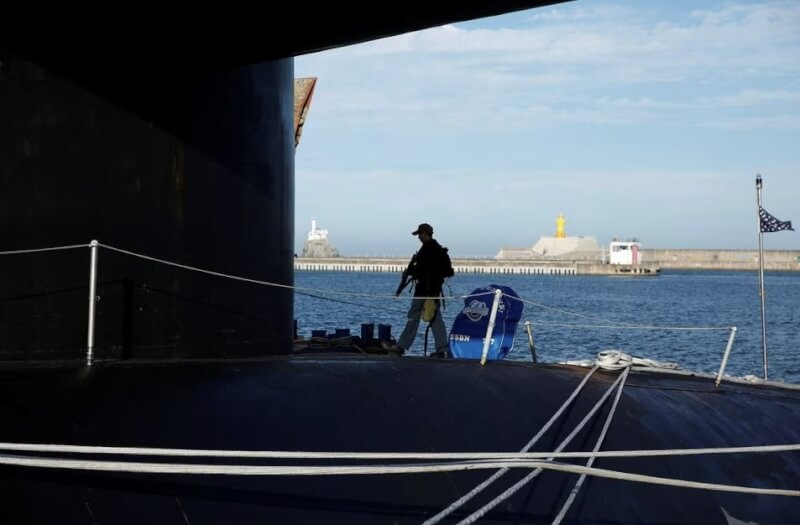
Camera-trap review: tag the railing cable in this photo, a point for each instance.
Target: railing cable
(39, 250)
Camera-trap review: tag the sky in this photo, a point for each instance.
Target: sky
(646, 120)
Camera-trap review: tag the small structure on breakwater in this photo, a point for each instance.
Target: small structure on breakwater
(560, 247)
(625, 252)
(317, 244)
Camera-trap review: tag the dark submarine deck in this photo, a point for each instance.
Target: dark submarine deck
(366, 403)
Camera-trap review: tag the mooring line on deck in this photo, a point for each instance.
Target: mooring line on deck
(369, 470)
(472, 518)
(291, 454)
(480, 487)
(574, 493)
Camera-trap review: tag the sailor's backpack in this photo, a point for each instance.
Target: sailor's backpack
(447, 264)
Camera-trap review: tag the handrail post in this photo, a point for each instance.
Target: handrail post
(725, 357)
(92, 300)
(530, 341)
(498, 293)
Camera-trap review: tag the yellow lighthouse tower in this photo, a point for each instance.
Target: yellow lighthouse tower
(560, 234)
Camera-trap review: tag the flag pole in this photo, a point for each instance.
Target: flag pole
(761, 274)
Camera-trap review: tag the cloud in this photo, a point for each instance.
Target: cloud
(592, 12)
(754, 97)
(590, 58)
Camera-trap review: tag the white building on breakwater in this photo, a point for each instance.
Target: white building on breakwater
(625, 252)
(317, 244)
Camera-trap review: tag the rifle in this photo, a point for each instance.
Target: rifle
(407, 275)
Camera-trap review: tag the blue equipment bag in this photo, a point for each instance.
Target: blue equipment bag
(471, 323)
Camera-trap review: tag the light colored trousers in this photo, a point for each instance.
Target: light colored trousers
(412, 325)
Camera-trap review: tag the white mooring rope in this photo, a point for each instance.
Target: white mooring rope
(472, 518)
(574, 493)
(287, 454)
(472, 493)
(618, 360)
(316, 470)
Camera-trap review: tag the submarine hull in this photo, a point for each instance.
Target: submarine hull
(341, 403)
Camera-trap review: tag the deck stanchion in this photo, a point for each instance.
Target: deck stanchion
(725, 357)
(530, 341)
(92, 301)
(490, 329)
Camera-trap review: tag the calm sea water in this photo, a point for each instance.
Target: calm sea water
(675, 299)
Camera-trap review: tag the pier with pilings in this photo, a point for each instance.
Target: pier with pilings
(476, 266)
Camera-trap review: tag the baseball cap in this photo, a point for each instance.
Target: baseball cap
(424, 227)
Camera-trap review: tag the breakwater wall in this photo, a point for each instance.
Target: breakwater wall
(681, 259)
(488, 266)
(478, 266)
(653, 261)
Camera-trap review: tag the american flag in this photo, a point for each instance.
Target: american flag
(771, 224)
